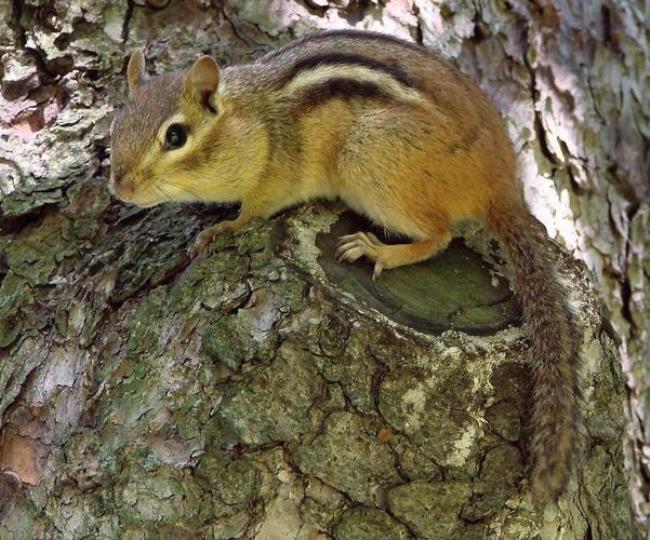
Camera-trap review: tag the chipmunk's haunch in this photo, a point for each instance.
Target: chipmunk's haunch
(387, 127)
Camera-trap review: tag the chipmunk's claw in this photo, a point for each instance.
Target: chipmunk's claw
(205, 237)
(379, 267)
(201, 243)
(354, 246)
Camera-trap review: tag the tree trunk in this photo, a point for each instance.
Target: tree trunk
(265, 390)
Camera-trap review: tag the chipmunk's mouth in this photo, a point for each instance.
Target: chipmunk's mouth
(146, 205)
(142, 203)
(123, 193)
(127, 192)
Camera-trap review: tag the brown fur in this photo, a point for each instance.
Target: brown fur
(393, 131)
(553, 353)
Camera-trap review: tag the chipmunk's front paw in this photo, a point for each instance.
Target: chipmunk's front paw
(201, 243)
(204, 239)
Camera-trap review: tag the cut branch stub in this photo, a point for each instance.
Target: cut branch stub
(454, 290)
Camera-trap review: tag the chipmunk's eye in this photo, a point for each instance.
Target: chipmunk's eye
(175, 136)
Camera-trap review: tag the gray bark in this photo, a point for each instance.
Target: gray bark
(263, 391)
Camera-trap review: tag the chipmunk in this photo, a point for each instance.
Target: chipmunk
(384, 125)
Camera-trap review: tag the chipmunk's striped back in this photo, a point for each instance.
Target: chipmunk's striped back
(349, 64)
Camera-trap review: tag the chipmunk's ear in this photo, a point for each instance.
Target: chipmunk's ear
(202, 79)
(135, 72)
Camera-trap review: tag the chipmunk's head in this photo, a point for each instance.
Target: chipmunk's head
(172, 141)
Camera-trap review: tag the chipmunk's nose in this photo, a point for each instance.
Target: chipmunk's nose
(121, 186)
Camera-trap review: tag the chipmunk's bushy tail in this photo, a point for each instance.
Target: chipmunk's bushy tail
(554, 349)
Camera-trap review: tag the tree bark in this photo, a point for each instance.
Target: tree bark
(266, 391)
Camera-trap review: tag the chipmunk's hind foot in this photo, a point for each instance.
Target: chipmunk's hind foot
(354, 246)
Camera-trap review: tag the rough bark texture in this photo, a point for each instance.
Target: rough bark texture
(257, 393)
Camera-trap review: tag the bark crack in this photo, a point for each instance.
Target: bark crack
(21, 41)
(126, 26)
